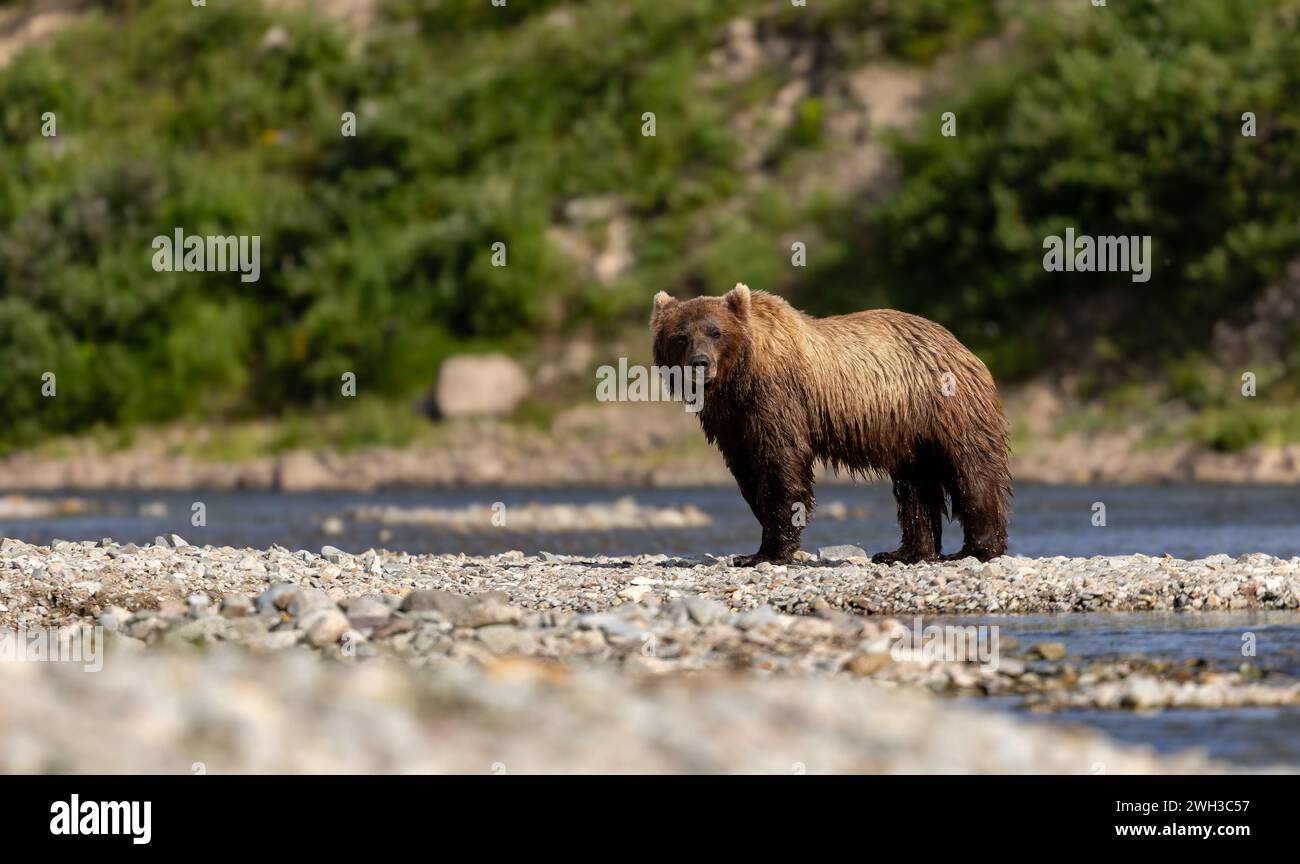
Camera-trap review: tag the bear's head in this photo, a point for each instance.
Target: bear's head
(709, 332)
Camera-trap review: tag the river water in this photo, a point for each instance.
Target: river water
(1183, 521)
(1247, 736)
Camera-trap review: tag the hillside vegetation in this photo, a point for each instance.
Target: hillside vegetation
(524, 125)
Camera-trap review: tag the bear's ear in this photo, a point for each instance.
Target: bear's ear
(738, 300)
(662, 301)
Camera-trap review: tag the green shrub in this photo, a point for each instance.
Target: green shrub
(1123, 120)
(479, 124)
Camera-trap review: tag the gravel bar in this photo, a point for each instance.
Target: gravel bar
(48, 584)
(251, 659)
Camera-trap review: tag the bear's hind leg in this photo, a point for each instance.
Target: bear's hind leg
(919, 493)
(980, 504)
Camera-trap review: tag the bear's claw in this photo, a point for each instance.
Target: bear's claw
(979, 554)
(756, 559)
(902, 556)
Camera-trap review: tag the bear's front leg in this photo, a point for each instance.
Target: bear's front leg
(780, 495)
(920, 511)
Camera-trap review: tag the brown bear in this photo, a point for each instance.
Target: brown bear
(871, 393)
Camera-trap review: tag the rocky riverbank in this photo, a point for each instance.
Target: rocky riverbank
(200, 636)
(613, 445)
(46, 584)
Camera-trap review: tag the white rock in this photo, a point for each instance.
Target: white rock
(489, 385)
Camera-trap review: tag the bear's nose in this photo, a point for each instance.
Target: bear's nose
(699, 360)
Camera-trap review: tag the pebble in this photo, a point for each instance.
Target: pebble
(840, 553)
(485, 609)
(236, 606)
(324, 626)
(269, 601)
(334, 555)
(298, 603)
(703, 610)
(198, 604)
(113, 618)
(367, 613)
(503, 639)
(1048, 650)
(434, 600)
(756, 617)
(610, 625)
(864, 665)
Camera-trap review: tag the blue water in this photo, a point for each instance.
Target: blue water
(1183, 521)
(1246, 736)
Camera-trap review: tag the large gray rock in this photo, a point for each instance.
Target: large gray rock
(488, 385)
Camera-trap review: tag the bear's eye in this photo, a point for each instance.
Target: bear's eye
(715, 333)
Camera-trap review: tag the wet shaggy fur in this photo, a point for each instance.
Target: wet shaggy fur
(871, 393)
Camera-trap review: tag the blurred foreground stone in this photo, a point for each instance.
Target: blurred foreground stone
(230, 712)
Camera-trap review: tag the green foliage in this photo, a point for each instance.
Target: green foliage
(475, 124)
(479, 124)
(1118, 121)
(1229, 432)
